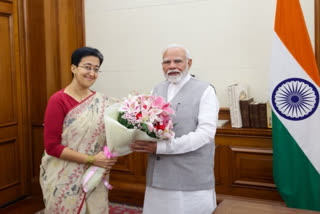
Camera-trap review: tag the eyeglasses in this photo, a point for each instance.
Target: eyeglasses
(175, 61)
(89, 68)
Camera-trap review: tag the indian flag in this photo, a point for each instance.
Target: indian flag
(294, 92)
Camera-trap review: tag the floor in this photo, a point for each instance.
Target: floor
(28, 205)
(34, 205)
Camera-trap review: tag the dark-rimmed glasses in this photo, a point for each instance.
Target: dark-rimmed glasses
(89, 68)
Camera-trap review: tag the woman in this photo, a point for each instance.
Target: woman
(74, 137)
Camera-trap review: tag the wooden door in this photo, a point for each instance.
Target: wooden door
(13, 164)
(55, 28)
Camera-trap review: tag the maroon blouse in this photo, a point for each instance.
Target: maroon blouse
(58, 107)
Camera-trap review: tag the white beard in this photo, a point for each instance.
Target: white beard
(175, 79)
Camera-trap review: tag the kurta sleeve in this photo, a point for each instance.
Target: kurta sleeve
(204, 133)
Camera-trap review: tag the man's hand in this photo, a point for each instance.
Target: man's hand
(144, 146)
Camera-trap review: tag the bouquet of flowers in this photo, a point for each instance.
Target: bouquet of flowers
(138, 117)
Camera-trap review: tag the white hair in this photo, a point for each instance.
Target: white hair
(187, 52)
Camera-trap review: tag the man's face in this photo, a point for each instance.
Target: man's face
(175, 65)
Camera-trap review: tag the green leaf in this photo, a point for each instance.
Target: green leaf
(144, 127)
(124, 122)
(128, 125)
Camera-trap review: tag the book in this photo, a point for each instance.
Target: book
(230, 98)
(236, 92)
(262, 109)
(253, 112)
(269, 115)
(244, 109)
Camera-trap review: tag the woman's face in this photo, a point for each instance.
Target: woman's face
(87, 71)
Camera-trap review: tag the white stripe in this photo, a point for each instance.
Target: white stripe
(305, 132)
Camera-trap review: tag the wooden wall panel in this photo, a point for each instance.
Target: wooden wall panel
(9, 165)
(64, 32)
(13, 164)
(36, 60)
(72, 25)
(7, 74)
(125, 165)
(246, 163)
(252, 167)
(217, 166)
(37, 93)
(53, 33)
(37, 137)
(36, 71)
(51, 47)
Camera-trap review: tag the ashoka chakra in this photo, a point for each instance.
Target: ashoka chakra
(295, 99)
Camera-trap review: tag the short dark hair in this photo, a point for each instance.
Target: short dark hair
(79, 53)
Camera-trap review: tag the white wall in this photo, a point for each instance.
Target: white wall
(229, 41)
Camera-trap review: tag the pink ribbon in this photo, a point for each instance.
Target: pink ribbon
(106, 183)
(86, 179)
(108, 155)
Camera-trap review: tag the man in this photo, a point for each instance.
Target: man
(180, 177)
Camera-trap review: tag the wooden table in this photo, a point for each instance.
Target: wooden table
(228, 206)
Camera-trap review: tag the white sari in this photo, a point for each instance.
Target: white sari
(60, 180)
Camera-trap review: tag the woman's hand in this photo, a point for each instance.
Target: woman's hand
(103, 162)
(100, 159)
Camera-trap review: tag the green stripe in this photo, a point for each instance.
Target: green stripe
(297, 180)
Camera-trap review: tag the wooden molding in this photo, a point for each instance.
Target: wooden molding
(254, 184)
(251, 150)
(6, 7)
(8, 140)
(227, 130)
(14, 183)
(13, 123)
